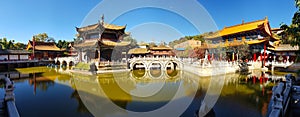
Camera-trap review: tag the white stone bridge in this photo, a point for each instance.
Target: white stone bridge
(149, 63)
(68, 61)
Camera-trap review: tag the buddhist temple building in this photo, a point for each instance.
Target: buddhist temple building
(43, 50)
(139, 52)
(161, 51)
(101, 42)
(285, 52)
(282, 50)
(256, 34)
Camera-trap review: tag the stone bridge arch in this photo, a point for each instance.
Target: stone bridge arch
(70, 61)
(152, 64)
(138, 62)
(173, 65)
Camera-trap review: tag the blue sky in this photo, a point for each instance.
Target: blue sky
(21, 19)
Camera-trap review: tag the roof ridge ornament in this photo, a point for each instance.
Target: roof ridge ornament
(102, 20)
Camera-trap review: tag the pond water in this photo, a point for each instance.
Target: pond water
(42, 91)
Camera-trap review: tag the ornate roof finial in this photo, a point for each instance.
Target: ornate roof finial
(102, 19)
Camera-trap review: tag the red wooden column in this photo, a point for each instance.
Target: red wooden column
(33, 47)
(265, 47)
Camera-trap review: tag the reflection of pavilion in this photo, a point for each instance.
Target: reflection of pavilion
(110, 94)
(42, 83)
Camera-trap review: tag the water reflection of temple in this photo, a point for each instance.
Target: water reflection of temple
(96, 91)
(155, 74)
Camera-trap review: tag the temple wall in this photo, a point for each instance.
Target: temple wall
(2, 57)
(13, 57)
(23, 57)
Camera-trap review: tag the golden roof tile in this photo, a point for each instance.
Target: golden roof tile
(242, 28)
(105, 25)
(138, 51)
(47, 46)
(87, 43)
(112, 43)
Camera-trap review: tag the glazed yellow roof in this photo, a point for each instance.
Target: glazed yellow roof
(233, 43)
(113, 27)
(105, 25)
(255, 41)
(87, 43)
(241, 28)
(47, 46)
(138, 51)
(112, 43)
(94, 43)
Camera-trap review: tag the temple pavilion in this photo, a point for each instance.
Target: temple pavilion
(43, 50)
(256, 34)
(101, 42)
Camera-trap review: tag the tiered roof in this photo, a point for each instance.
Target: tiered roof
(112, 43)
(87, 43)
(94, 43)
(95, 26)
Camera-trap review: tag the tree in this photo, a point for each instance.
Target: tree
(291, 33)
(198, 53)
(6, 44)
(199, 38)
(43, 37)
(62, 44)
(19, 46)
(241, 50)
(133, 42)
(186, 38)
